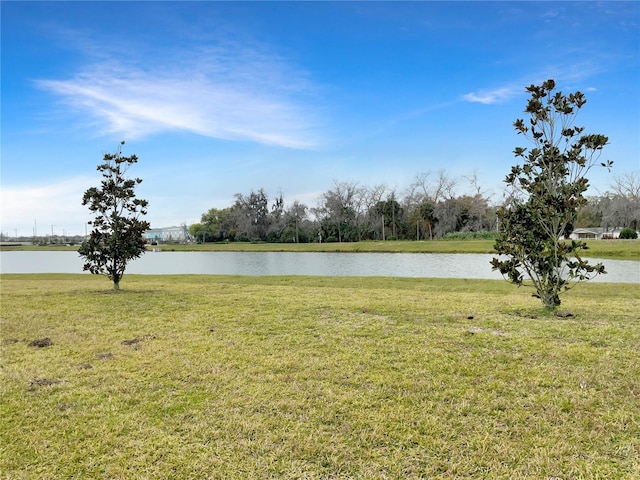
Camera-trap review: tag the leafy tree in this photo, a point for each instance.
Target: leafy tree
(294, 218)
(391, 215)
(251, 214)
(373, 221)
(276, 223)
(590, 215)
(338, 211)
(550, 185)
(198, 231)
(425, 212)
(117, 234)
(217, 225)
(451, 215)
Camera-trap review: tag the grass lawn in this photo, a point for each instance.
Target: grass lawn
(620, 249)
(182, 377)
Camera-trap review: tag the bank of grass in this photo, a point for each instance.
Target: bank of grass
(310, 377)
(614, 249)
(391, 246)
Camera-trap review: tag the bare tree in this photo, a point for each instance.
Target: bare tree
(419, 189)
(444, 187)
(627, 185)
(424, 187)
(621, 206)
(478, 203)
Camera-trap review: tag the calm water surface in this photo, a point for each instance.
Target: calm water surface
(419, 265)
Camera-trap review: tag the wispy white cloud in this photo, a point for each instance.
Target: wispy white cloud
(497, 95)
(565, 75)
(550, 14)
(232, 93)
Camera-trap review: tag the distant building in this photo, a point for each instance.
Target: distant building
(178, 234)
(595, 233)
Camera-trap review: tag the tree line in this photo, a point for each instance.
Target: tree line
(545, 200)
(428, 209)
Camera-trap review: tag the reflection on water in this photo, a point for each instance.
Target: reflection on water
(420, 265)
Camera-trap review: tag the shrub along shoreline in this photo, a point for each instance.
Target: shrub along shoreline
(315, 377)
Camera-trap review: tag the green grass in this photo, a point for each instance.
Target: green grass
(312, 377)
(620, 249)
(393, 246)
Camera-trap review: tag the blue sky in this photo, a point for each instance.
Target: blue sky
(218, 98)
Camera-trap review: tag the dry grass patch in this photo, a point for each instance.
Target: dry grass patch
(311, 377)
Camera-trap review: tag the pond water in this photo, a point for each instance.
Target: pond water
(419, 265)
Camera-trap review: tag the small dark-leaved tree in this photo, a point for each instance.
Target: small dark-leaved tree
(548, 189)
(118, 230)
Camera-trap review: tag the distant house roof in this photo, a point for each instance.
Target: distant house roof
(594, 230)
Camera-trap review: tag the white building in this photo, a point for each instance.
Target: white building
(178, 234)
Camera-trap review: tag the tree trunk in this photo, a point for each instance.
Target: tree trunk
(550, 300)
(116, 285)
